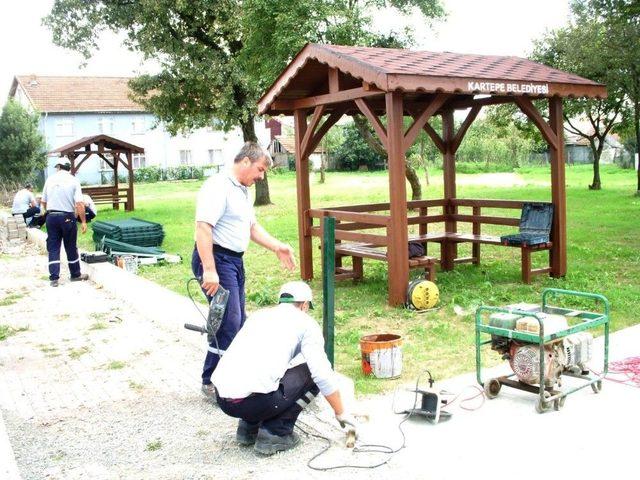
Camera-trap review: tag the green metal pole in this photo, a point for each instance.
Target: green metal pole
(328, 284)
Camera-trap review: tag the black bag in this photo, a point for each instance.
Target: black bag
(416, 249)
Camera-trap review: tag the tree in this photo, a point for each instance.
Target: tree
(22, 146)
(217, 56)
(620, 20)
(583, 48)
(355, 153)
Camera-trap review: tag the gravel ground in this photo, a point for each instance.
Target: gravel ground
(94, 389)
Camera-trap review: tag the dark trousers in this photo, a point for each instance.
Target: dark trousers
(31, 211)
(230, 270)
(61, 228)
(276, 411)
(88, 215)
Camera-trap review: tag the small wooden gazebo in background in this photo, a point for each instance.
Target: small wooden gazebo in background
(114, 153)
(329, 81)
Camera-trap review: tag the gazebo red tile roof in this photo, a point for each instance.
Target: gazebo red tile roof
(387, 69)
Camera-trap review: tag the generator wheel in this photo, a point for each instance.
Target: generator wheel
(492, 388)
(559, 403)
(543, 406)
(597, 387)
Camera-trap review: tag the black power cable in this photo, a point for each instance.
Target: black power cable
(370, 448)
(215, 338)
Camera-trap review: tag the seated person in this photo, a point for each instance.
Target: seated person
(90, 210)
(39, 218)
(25, 203)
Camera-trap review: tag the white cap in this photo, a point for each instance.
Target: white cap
(295, 292)
(64, 161)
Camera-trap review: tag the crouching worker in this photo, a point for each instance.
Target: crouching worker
(255, 382)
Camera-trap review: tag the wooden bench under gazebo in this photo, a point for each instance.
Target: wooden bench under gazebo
(329, 81)
(113, 152)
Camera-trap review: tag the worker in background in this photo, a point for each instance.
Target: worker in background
(256, 383)
(25, 203)
(225, 223)
(62, 201)
(90, 211)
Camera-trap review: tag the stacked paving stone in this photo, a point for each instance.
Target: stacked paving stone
(13, 231)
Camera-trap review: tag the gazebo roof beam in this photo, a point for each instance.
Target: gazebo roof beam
(315, 120)
(531, 111)
(327, 99)
(364, 107)
(464, 127)
(420, 120)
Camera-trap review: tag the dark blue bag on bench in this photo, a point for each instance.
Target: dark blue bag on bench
(535, 226)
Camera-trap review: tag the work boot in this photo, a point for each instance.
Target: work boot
(209, 391)
(80, 278)
(54, 283)
(268, 443)
(246, 433)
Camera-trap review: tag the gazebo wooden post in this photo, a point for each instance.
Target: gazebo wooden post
(116, 160)
(304, 197)
(397, 228)
(129, 205)
(558, 251)
(449, 249)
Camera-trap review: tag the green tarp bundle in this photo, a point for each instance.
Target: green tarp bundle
(132, 231)
(109, 245)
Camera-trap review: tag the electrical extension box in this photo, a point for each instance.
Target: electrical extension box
(430, 406)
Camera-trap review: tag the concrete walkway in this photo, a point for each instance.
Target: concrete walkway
(103, 382)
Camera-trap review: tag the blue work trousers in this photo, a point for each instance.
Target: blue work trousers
(61, 228)
(276, 411)
(230, 270)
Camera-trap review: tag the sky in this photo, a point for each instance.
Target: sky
(491, 27)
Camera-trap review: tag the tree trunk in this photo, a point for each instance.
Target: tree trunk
(636, 120)
(363, 127)
(262, 186)
(597, 153)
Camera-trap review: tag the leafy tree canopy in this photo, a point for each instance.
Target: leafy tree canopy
(218, 56)
(22, 146)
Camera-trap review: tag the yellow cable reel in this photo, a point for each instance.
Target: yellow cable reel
(422, 294)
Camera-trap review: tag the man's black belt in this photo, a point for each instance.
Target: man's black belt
(225, 251)
(58, 212)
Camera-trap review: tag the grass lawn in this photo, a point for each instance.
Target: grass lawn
(603, 257)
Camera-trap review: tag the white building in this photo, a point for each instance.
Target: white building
(76, 107)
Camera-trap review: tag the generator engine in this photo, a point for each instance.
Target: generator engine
(568, 354)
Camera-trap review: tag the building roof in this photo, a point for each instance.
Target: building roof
(289, 144)
(389, 69)
(76, 94)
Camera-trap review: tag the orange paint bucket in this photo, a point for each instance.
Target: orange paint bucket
(381, 355)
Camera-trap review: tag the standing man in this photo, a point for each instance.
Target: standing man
(24, 203)
(225, 223)
(256, 383)
(62, 200)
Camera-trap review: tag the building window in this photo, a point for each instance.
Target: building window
(139, 125)
(215, 157)
(104, 165)
(139, 160)
(185, 157)
(64, 128)
(105, 125)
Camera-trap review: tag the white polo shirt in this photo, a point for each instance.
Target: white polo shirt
(62, 191)
(22, 201)
(224, 203)
(261, 353)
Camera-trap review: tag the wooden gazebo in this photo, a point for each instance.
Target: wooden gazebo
(328, 81)
(114, 152)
